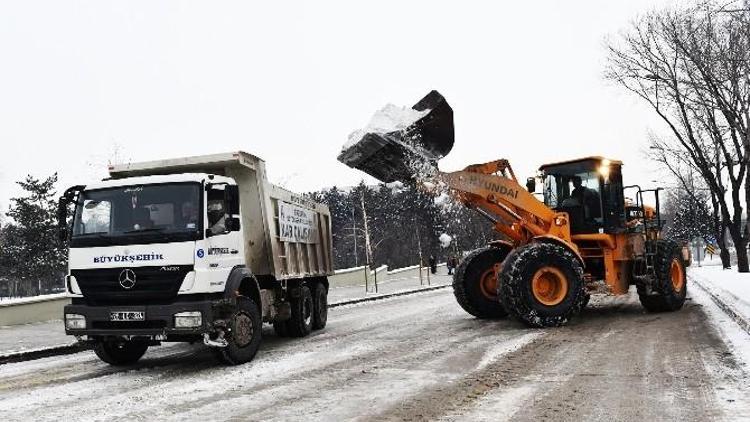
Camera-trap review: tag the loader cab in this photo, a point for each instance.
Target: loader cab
(589, 190)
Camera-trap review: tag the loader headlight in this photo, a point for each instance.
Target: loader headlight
(75, 322)
(190, 319)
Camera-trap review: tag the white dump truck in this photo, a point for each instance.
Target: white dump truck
(193, 249)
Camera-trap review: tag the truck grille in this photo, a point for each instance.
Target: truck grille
(153, 285)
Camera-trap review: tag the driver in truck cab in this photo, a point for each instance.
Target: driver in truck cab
(216, 215)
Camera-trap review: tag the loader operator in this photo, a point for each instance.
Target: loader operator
(588, 198)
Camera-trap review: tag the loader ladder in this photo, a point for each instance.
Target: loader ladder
(650, 227)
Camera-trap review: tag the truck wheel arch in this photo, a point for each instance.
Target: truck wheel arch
(243, 283)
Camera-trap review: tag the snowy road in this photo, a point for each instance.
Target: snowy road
(413, 358)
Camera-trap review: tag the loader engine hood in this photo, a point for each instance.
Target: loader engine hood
(405, 148)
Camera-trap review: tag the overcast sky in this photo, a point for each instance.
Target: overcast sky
(287, 81)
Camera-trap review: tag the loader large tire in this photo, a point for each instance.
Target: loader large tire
(475, 283)
(670, 286)
(244, 335)
(542, 284)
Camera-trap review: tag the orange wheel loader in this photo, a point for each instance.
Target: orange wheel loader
(581, 237)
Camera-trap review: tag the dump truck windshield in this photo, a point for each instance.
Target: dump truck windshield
(145, 213)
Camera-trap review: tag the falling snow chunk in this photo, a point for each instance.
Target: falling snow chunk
(445, 240)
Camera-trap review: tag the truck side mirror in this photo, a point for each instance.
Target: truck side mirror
(62, 219)
(232, 224)
(531, 184)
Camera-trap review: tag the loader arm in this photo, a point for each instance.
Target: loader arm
(492, 189)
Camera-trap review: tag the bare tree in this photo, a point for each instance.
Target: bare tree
(691, 190)
(691, 65)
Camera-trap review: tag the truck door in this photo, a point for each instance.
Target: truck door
(223, 236)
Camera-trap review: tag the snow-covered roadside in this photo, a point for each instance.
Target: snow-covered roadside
(732, 333)
(731, 288)
(732, 381)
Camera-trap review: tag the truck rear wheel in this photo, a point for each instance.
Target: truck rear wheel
(475, 283)
(120, 352)
(301, 322)
(542, 284)
(669, 288)
(320, 306)
(243, 339)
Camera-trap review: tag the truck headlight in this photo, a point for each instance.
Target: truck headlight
(188, 319)
(75, 322)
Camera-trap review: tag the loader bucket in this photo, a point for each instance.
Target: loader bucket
(402, 154)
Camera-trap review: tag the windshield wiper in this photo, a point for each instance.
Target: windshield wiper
(150, 229)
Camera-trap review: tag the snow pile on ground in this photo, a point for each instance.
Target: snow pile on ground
(445, 240)
(390, 118)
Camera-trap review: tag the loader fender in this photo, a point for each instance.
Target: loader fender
(552, 239)
(241, 282)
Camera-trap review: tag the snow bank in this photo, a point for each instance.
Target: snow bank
(731, 287)
(390, 118)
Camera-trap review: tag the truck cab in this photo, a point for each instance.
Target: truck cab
(157, 254)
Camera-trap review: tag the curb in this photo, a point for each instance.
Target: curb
(27, 355)
(727, 309)
(387, 296)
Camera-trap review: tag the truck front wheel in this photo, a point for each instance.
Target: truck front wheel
(120, 352)
(243, 339)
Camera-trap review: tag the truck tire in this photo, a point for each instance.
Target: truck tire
(542, 284)
(301, 322)
(670, 285)
(244, 334)
(475, 283)
(320, 306)
(120, 353)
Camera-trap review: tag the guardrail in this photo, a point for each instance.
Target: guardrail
(50, 307)
(32, 309)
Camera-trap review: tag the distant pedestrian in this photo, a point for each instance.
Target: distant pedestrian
(452, 264)
(433, 264)
(449, 265)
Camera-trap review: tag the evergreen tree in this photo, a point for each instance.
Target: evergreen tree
(690, 216)
(32, 258)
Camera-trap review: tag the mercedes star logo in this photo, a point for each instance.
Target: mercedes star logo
(127, 279)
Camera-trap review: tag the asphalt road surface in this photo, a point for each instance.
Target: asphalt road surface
(416, 357)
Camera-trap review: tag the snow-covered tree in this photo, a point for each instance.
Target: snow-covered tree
(32, 258)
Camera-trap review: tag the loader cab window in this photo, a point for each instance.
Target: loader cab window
(576, 189)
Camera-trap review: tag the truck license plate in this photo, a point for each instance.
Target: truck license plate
(127, 316)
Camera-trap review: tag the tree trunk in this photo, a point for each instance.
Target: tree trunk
(740, 245)
(723, 251)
